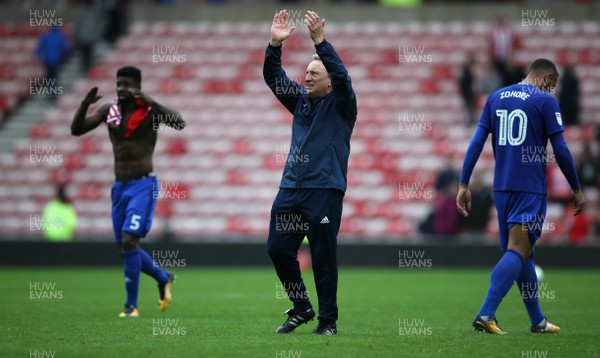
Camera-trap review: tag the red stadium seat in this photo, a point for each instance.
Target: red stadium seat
(182, 72)
(74, 162)
(169, 86)
(89, 146)
(176, 147)
(89, 191)
(39, 131)
(98, 73)
(443, 72)
(429, 87)
(236, 177)
(236, 225)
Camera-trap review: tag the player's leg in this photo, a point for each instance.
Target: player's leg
(153, 269)
(163, 278)
(132, 267)
(325, 208)
(501, 280)
(119, 216)
(528, 286)
(282, 245)
(515, 244)
(144, 196)
(527, 280)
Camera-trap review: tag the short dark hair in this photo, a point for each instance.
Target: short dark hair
(131, 72)
(543, 65)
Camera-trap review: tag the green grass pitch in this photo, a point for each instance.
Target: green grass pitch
(72, 312)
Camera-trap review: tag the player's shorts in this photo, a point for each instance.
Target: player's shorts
(133, 204)
(520, 208)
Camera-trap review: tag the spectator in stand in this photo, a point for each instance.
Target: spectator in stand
(578, 227)
(502, 44)
(491, 80)
(53, 49)
(481, 204)
(447, 177)
(596, 224)
(446, 220)
(88, 31)
(514, 72)
(60, 218)
(587, 167)
(466, 84)
(117, 17)
(568, 98)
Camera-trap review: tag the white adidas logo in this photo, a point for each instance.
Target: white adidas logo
(325, 220)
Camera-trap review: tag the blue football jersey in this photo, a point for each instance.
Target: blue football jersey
(521, 118)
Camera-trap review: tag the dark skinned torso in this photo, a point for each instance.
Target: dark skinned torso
(133, 155)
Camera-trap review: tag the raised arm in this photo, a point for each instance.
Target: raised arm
(166, 115)
(81, 123)
(340, 80)
(287, 91)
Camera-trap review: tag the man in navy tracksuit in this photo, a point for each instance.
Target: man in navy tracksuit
(310, 197)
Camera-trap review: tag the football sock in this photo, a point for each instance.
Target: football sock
(542, 323)
(501, 280)
(133, 266)
(528, 285)
(151, 268)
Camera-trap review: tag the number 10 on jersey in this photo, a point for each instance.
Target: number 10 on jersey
(507, 121)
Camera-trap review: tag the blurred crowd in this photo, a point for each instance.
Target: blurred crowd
(475, 84)
(97, 22)
(502, 69)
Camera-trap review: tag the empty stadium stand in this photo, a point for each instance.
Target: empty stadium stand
(17, 65)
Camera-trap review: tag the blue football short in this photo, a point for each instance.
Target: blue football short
(527, 209)
(133, 204)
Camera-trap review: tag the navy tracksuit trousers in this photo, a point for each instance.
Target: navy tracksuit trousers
(317, 214)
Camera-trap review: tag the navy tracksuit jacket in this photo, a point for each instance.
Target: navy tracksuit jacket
(321, 131)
